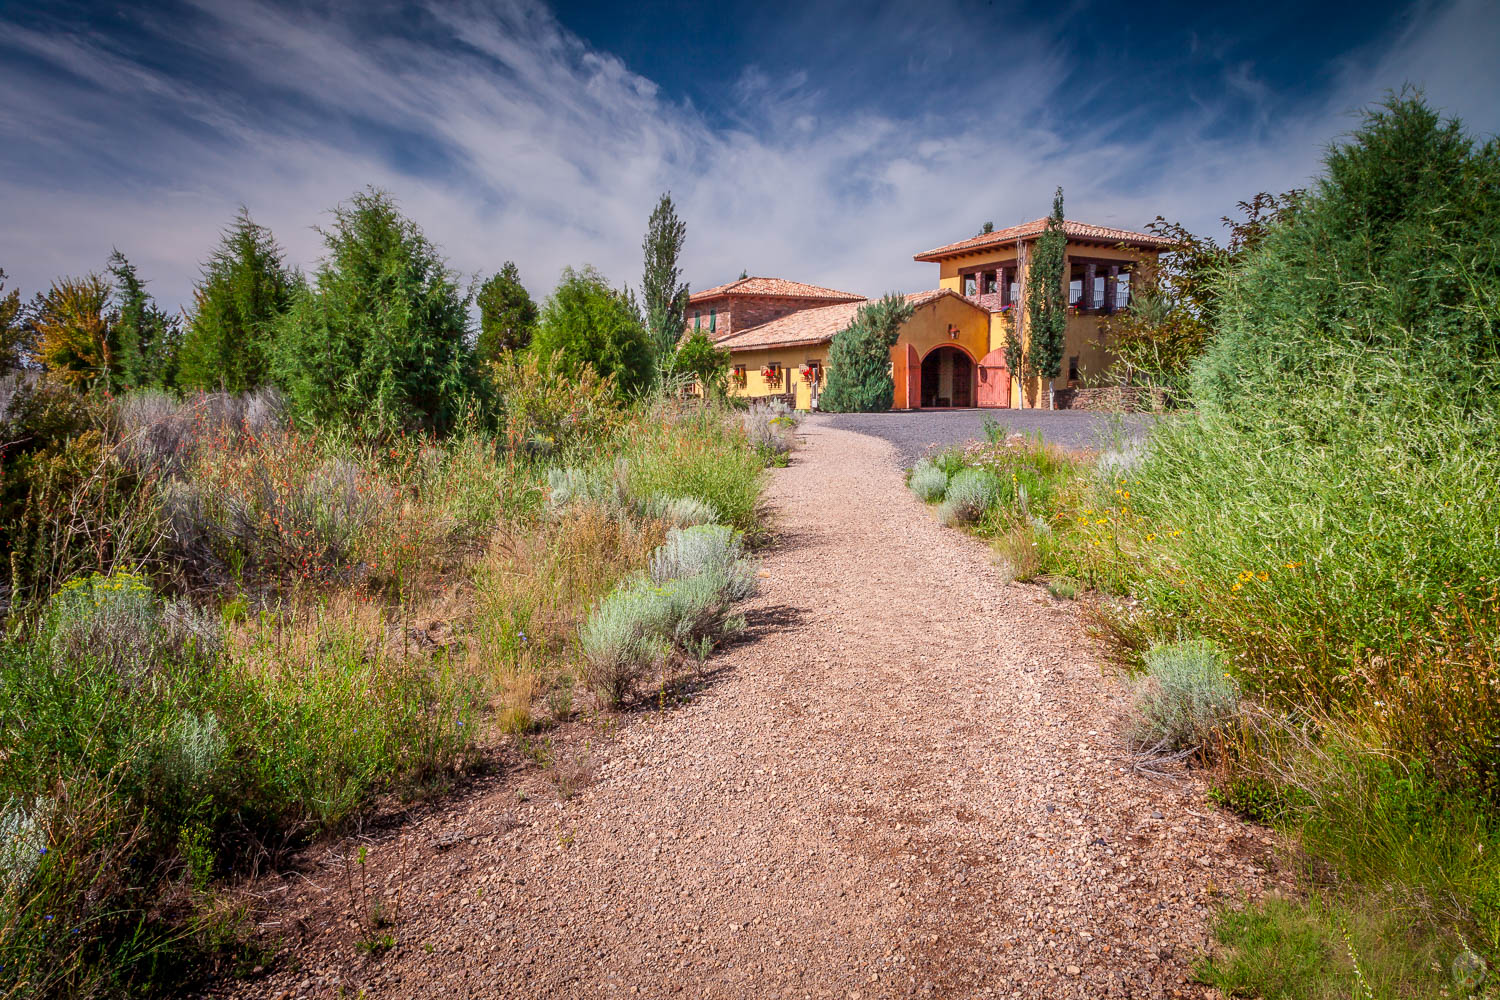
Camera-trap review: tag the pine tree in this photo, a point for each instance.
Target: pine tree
(665, 299)
(1046, 312)
(244, 289)
(507, 315)
(859, 360)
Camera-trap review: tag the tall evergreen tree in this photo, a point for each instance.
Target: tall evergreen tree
(665, 299)
(12, 329)
(146, 338)
(1046, 309)
(859, 360)
(244, 288)
(507, 315)
(379, 339)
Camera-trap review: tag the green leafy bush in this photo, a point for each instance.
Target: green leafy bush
(1186, 696)
(696, 452)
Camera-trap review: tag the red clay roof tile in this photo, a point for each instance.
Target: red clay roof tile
(1026, 230)
(818, 325)
(777, 287)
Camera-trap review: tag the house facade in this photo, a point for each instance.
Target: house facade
(951, 353)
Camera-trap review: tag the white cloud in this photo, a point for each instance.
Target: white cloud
(520, 142)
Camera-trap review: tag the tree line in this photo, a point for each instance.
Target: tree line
(378, 336)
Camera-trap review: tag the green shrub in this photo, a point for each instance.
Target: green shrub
(859, 360)
(588, 324)
(378, 341)
(697, 452)
(970, 494)
(1337, 495)
(928, 481)
(245, 288)
(1186, 696)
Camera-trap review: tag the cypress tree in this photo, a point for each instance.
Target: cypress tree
(665, 299)
(1046, 311)
(859, 360)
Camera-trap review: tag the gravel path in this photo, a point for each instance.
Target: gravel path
(915, 433)
(909, 782)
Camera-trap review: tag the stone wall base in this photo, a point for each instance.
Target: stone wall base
(1111, 399)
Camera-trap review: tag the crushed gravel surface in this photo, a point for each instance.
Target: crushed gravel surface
(917, 432)
(909, 781)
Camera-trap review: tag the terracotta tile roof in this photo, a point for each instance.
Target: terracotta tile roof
(818, 325)
(1026, 230)
(779, 287)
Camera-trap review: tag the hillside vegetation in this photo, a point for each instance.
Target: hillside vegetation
(1312, 557)
(239, 620)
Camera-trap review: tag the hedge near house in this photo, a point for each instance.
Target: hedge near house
(859, 361)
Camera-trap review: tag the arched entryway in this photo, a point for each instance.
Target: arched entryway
(947, 377)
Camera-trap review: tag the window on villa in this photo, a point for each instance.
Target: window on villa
(1100, 280)
(969, 280)
(1122, 290)
(1075, 291)
(1073, 368)
(1015, 289)
(991, 284)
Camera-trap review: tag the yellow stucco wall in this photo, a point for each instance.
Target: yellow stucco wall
(791, 360)
(929, 329)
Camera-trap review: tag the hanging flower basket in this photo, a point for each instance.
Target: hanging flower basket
(808, 373)
(771, 375)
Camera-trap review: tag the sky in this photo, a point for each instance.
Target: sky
(822, 142)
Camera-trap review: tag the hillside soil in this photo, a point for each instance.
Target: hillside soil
(908, 780)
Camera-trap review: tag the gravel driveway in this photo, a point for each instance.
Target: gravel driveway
(908, 781)
(915, 433)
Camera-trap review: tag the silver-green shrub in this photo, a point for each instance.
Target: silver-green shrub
(771, 427)
(1185, 696)
(928, 482)
(623, 638)
(607, 487)
(23, 840)
(970, 493)
(195, 749)
(705, 548)
(113, 621)
(681, 512)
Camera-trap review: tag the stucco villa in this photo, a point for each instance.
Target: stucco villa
(951, 352)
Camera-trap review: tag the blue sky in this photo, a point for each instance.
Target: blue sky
(821, 142)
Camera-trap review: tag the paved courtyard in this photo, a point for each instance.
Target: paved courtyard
(917, 432)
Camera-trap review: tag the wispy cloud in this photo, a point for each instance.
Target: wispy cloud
(507, 137)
